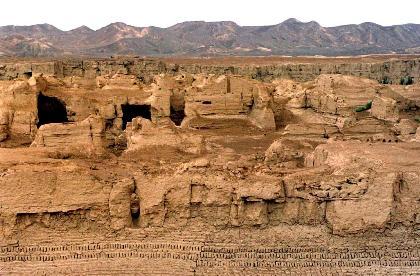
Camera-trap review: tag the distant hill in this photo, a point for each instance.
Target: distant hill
(200, 38)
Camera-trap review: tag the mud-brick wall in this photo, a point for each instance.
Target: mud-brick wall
(393, 70)
(144, 69)
(10, 71)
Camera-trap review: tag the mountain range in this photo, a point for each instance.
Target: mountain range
(199, 38)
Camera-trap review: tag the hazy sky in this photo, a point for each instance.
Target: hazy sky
(95, 14)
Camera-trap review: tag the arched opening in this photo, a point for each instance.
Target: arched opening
(51, 110)
(177, 115)
(131, 111)
(177, 107)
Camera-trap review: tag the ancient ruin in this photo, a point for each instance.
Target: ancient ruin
(153, 166)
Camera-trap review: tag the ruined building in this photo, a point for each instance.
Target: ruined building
(129, 167)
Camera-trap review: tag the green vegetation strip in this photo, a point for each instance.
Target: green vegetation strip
(364, 107)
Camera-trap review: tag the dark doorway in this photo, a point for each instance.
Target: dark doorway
(51, 110)
(131, 111)
(27, 75)
(177, 116)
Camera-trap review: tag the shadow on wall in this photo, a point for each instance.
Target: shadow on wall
(51, 110)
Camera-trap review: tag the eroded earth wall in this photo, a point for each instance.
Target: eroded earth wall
(207, 174)
(389, 70)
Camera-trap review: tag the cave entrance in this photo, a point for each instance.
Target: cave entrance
(131, 111)
(177, 115)
(51, 110)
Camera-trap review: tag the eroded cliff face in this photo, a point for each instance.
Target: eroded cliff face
(207, 174)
